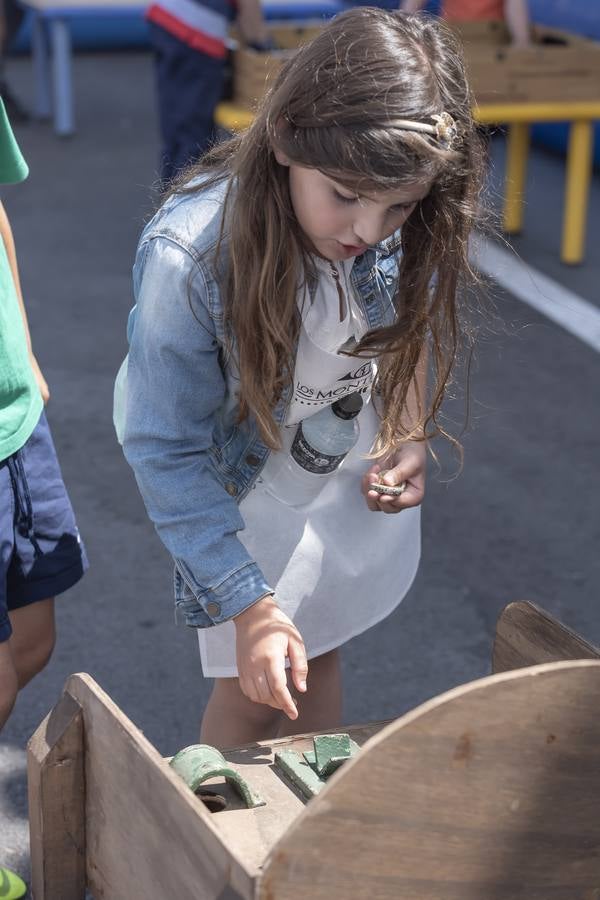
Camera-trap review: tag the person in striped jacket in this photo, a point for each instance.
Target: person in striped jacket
(189, 41)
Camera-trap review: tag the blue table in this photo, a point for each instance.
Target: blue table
(52, 44)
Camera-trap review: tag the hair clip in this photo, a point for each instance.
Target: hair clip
(445, 130)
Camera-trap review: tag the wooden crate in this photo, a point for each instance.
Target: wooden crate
(252, 71)
(489, 31)
(488, 790)
(557, 67)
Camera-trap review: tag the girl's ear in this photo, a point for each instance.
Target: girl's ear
(281, 157)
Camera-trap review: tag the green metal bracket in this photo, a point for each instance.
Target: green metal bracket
(310, 773)
(331, 750)
(299, 772)
(199, 762)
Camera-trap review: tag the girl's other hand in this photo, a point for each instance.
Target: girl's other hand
(408, 464)
(265, 637)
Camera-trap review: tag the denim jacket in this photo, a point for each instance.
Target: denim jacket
(192, 460)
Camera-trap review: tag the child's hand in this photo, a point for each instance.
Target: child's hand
(41, 381)
(265, 636)
(407, 465)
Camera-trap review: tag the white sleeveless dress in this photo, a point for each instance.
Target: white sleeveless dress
(336, 567)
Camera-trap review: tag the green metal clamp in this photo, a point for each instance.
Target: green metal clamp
(199, 762)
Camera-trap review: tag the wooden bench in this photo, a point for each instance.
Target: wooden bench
(52, 52)
(487, 791)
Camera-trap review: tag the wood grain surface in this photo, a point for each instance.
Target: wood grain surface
(527, 636)
(488, 792)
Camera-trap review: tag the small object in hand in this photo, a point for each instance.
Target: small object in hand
(388, 489)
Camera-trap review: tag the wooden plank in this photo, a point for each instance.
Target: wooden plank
(527, 635)
(487, 791)
(254, 832)
(56, 804)
(147, 834)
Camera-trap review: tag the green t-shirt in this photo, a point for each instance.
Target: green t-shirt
(20, 399)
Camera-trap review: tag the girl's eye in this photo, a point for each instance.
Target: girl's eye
(343, 199)
(403, 207)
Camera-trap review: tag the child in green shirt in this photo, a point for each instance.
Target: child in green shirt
(41, 554)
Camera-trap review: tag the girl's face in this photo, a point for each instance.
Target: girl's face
(340, 223)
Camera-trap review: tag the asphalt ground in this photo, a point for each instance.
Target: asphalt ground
(519, 522)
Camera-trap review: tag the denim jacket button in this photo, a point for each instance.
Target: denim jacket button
(231, 488)
(213, 609)
(253, 460)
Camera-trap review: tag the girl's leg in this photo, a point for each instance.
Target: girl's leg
(320, 708)
(230, 719)
(33, 637)
(9, 684)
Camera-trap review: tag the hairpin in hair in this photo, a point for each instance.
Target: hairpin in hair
(445, 130)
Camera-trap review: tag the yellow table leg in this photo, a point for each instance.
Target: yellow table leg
(579, 168)
(516, 170)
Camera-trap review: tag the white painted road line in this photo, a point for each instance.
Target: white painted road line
(567, 309)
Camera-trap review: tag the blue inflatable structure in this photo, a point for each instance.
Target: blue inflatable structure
(130, 31)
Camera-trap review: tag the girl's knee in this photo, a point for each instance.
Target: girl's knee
(33, 639)
(42, 652)
(33, 659)
(9, 684)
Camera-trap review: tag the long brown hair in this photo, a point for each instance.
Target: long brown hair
(332, 108)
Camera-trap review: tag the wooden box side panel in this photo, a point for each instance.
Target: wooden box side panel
(529, 636)
(56, 788)
(146, 834)
(540, 73)
(489, 790)
(486, 31)
(253, 72)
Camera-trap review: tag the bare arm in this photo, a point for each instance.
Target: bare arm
(11, 254)
(251, 22)
(412, 6)
(517, 19)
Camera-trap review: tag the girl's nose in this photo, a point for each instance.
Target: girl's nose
(370, 229)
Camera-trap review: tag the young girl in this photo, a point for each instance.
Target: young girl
(317, 255)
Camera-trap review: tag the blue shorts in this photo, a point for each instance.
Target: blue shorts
(41, 554)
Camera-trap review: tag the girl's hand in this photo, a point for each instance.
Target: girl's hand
(407, 464)
(41, 381)
(265, 637)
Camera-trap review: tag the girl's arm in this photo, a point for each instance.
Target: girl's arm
(516, 13)
(11, 254)
(408, 463)
(252, 22)
(175, 388)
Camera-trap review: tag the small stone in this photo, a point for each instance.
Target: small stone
(388, 489)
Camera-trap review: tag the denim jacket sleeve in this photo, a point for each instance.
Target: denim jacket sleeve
(175, 385)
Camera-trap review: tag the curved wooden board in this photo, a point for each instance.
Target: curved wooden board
(487, 792)
(528, 636)
(146, 834)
